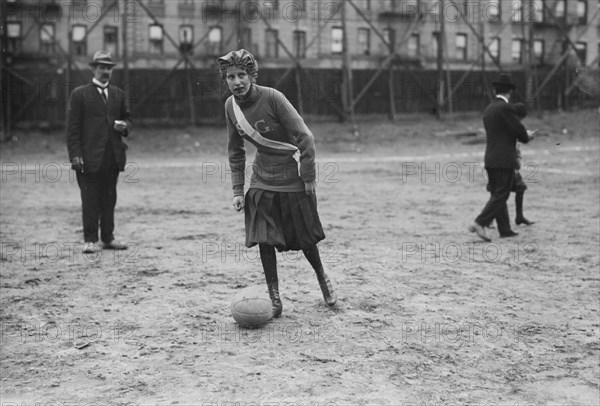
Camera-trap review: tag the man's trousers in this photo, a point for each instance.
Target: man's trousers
(500, 182)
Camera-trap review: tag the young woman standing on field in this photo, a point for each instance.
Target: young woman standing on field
(280, 205)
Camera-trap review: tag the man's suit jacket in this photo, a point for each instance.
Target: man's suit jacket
(503, 128)
(90, 123)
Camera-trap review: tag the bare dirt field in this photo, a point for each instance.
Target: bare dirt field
(427, 314)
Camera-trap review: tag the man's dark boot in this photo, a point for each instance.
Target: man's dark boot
(326, 288)
(519, 206)
(275, 299)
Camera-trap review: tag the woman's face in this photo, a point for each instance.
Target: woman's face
(238, 81)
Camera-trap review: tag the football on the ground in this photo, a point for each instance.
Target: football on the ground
(251, 308)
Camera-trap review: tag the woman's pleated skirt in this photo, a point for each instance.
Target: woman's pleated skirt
(285, 220)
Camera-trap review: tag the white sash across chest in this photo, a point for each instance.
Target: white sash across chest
(245, 126)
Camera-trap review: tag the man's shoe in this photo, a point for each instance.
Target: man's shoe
(523, 220)
(509, 234)
(480, 231)
(115, 245)
(90, 248)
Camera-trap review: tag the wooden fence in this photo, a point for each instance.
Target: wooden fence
(38, 98)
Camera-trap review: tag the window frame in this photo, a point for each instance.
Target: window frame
(464, 48)
(299, 38)
(337, 43)
(271, 43)
(155, 45)
(364, 47)
(110, 30)
(79, 47)
(519, 60)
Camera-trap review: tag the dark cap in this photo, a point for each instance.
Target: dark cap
(240, 58)
(504, 82)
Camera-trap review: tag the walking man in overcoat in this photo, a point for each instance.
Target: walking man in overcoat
(503, 129)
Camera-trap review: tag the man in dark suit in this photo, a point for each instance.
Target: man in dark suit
(503, 128)
(97, 119)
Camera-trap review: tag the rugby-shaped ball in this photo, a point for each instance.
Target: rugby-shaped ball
(252, 307)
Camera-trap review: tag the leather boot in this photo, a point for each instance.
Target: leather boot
(275, 299)
(519, 208)
(326, 288)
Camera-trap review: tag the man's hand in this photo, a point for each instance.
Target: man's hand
(531, 134)
(309, 187)
(238, 203)
(120, 125)
(77, 164)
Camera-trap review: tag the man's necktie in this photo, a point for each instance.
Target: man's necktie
(103, 91)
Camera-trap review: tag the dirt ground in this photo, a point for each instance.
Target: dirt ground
(427, 314)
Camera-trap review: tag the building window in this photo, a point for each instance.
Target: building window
(215, 40)
(435, 43)
(80, 40)
(539, 49)
(559, 10)
(390, 37)
(470, 9)
(111, 40)
(185, 8)
(537, 11)
(494, 48)
(157, 7)
(47, 39)
(582, 12)
(461, 47)
(300, 44)
(186, 38)
(13, 33)
(582, 52)
(337, 40)
(80, 5)
(364, 41)
(414, 46)
(516, 50)
(270, 9)
(493, 11)
(155, 35)
(517, 10)
(272, 45)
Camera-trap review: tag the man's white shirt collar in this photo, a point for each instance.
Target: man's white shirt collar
(100, 84)
(502, 97)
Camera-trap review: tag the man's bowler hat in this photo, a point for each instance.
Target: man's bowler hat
(102, 57)
(505, 82)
